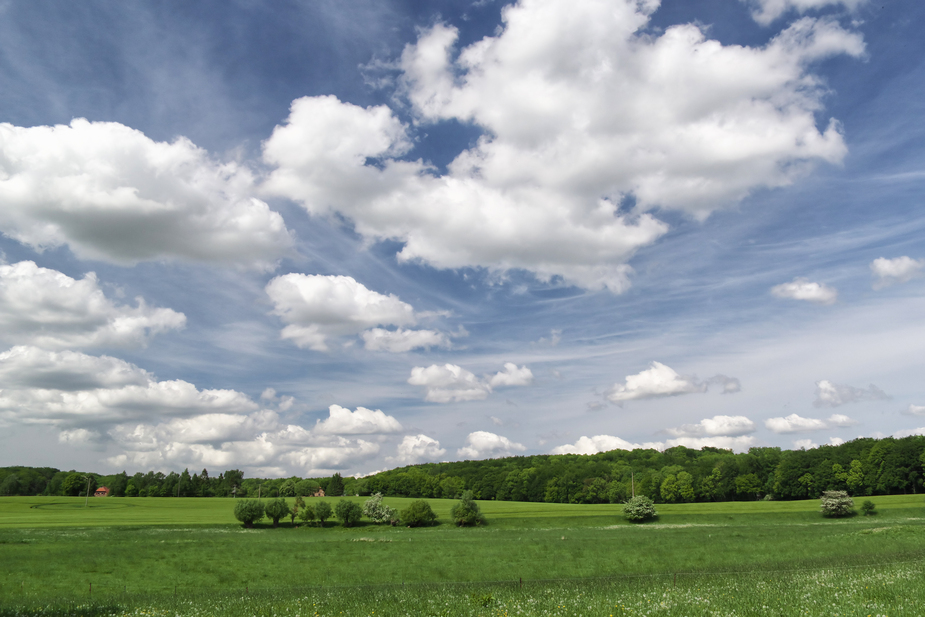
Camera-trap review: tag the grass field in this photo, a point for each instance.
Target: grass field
(189, 556)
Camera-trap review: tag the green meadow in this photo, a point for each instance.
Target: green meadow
(120, 556)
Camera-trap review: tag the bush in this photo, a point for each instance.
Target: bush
(322, 511)
(836, 504)
(466, 513)
(277, 509)
(418, 514)
(348, 512)
(248, 511)
(638, 509)
(378, 512)
(307, 514)
(869, 508)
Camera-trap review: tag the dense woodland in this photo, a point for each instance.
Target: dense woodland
(861, 467)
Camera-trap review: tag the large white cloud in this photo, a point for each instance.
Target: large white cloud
(417, 449)
(766, 11)
(728, 426)
(603, 443)
(110, 193)
(46, 308)
(342, 421)
(897, 270)
(318, 307)
(72, 388)
(829, 394)
(482, 444)
(579, 110)
(450, 382)
(657, 381)
(798, 424)
(803, 289)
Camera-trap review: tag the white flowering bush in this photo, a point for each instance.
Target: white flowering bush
(836, 504)
(378, 512)
(638, 509)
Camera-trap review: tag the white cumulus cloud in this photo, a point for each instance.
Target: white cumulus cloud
(599, 443)
(729, 426)
(829, 394)
(417, 449)
(803, 289)
(798, 424)
(46, 308)
(318, 307)
(898, 270)
(482, 444)
(449, 382)
(579, 109)
(657, 381)
(110, 193)
(342, 421)
(914, 410)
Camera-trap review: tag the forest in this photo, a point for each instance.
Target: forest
(865, 466)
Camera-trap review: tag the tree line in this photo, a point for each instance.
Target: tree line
(863, 466)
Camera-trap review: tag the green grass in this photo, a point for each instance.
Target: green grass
(137, 553)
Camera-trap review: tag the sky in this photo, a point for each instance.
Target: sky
(307, 237)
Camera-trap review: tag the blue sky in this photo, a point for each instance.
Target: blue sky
(311, 237)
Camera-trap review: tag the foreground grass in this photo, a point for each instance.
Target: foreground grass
(894, 590)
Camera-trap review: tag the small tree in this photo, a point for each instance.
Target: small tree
(307, 514)
(638, 509)
(322, 511)
(277, 509)
(378, 512)
(836, 504)
(418, 514)
(466, 513)
(348, 512)
(868, 508)
(296, 507)
(248, 511)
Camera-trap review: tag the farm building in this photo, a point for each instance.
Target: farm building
(318, 493)
(101, 492)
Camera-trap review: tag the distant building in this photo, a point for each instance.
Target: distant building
(318, 493)
(101, 492)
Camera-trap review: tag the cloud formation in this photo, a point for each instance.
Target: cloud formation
(898, 270)
(660, 380)
(415, 449)
(342, 421)
(482, 444)
(579, 110)
(829, 394)
(110, 193)
(318, 307)
(452, 383)
(729, 426)
(48, 309)
(766, 11)
(803, 289)
(797, 424)
(603, 443)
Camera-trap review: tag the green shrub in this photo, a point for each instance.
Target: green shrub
(638, 509)
(418, 514)
(466, 513)
(248, 511)
(322, 511)
(277, 509)
(869, 508)
(378, 512)
(348, 512)
(307, 513)
(836, 504)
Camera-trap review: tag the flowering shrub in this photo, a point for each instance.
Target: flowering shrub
(378, 512)
(639, 508)
(836, 504)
